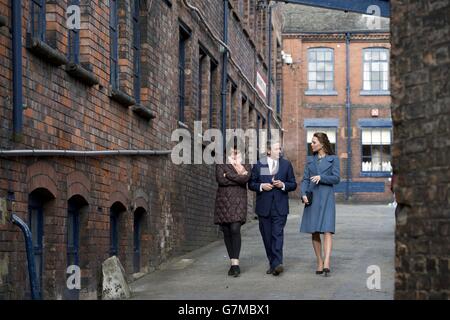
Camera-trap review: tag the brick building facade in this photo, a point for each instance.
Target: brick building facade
(326, 46)
(420, 111)
(133, 73)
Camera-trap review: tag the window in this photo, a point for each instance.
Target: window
(114, 229)
(36, 222)
(184, 36)
(114, 54)
(375, 70)
(73, 233)
(201, 60)
(74, 40)
(73, 240)
(233, 105)
(320, 69)
(241, 114)
(37, 9)
(331, 133)
(376, 150)
(212, 88)
(279, 103)
(138, 218)
(258, 127)
(136, 47)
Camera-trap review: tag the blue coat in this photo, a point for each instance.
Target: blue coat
(264, 199)
(320, 216)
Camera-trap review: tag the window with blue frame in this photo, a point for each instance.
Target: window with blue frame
(74, 40)
(137, 236)
(241, 110)
(279, 103)
(36, 222)
(37, 12)
(330, 132)
(375, 71)
(320, 71)
(184, 35)
(258, 127)
(233, 103)
(114, 220)
(73, 239)
(73, 233)
(114, 46)
(376, 150)
(212, 87)
(201, 85)
(136, 46)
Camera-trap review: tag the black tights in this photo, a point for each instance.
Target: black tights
(232, 238)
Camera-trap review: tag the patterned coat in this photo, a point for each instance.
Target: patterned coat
(231, 197)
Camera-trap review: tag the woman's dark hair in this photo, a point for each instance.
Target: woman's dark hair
(323, 139)
(232, 145)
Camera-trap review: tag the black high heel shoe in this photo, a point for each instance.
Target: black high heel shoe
(326, 271)
(320, 272)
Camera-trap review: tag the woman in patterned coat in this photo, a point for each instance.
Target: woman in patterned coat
(231, 204)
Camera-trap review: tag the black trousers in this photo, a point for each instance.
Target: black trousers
(232, 238)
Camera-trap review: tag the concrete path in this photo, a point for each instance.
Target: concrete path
(364, 237)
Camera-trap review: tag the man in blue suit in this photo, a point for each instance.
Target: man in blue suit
(272, 178)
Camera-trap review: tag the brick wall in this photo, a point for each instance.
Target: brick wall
(61, 112)
(421, 96)
(298, 106)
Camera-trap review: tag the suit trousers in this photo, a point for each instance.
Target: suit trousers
(272, 232)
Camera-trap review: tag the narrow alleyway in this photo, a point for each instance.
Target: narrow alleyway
(364, 237)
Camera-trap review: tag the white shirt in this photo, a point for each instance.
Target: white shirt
(272, 165)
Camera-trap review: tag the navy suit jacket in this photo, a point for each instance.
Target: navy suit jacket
(264, 200)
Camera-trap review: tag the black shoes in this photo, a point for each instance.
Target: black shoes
(269, 271)
(320, 272)
(234, 271)
(326, 271)
(278, 269)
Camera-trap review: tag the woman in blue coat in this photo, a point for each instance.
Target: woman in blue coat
(321, 174)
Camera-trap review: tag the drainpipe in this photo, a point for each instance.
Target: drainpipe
(224, 71)
(16, 7)
(269, 94)
(34, 284)
(75, 153)
(349, 121)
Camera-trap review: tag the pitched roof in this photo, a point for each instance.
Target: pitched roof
(301, 18)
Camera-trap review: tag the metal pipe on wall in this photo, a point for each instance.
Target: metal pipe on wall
(224, 72)
(349, 119)
(16, 8)
(34, 284)
(75, 153)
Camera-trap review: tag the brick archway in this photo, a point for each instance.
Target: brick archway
(42, 175)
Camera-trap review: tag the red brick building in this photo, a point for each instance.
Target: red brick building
(133, 73)
(338, 82)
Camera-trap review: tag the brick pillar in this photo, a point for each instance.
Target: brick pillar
(420, 110)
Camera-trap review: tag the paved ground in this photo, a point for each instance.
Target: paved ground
(364, 237)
